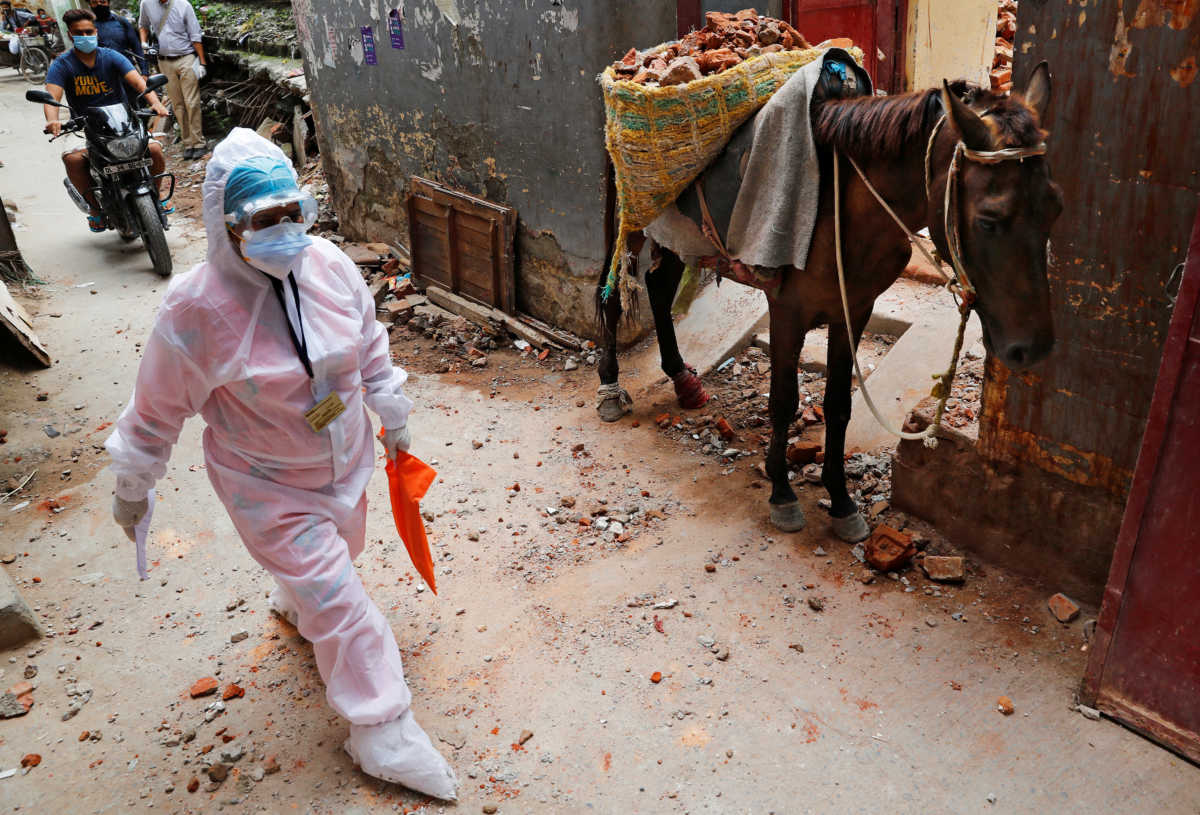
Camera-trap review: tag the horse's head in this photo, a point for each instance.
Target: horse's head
(1004, 214)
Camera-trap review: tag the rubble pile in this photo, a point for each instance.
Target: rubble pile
(572, 527)
(727, 40)
(1006, 34)
(966, 395)
(462, 343)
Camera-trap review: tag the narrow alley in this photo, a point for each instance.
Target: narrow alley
(693, 660)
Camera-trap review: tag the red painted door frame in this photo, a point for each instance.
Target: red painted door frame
(1144, 668)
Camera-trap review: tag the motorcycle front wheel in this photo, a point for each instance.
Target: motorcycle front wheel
(145, 210)
(34, 64)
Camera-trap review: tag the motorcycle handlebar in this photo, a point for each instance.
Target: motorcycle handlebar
(70, 126)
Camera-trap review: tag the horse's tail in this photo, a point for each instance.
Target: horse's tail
(606, 298)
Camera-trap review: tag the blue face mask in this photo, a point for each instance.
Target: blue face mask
(87, 43)
(274, 250)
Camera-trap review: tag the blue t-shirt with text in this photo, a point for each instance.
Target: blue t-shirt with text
(84, 87)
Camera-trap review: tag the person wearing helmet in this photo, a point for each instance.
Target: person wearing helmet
(273, 341)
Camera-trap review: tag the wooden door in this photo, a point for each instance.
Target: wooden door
(1145, 665)
(463, 243)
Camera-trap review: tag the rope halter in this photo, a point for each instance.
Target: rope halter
(961, 286)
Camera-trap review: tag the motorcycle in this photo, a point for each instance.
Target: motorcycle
(118, 154)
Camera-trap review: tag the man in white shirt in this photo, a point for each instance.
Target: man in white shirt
(181, 59)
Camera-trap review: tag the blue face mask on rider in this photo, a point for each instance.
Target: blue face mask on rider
(87, 43)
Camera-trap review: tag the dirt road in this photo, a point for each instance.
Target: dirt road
(551, 618)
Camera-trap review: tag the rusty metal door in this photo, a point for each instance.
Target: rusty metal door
(1145, 668)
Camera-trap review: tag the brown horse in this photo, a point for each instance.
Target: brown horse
(1002, 221)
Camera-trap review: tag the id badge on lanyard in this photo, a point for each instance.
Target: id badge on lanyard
(322, 414)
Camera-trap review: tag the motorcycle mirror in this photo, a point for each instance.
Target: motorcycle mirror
(155, 82)
(42, 96)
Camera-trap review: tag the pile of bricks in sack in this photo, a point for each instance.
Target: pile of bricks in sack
(726, 41)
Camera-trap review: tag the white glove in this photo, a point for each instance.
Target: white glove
(199, 70)
(396, 441)
(127, 514)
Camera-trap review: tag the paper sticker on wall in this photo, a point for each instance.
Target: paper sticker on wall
(396, 27)
(331, 54)
(368, 41)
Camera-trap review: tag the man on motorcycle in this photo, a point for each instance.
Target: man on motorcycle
(91, 76)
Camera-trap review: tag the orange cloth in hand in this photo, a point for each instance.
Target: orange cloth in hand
(408, 480)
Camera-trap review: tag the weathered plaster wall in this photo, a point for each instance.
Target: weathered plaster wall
(495, 97)
(950, 39)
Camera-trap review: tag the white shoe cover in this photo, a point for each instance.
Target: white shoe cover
(281, 605)
(399, 751)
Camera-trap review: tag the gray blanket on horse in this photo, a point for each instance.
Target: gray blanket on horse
(763, 190)
(776, 210)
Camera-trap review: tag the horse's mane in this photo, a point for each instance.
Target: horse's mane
(888, 126)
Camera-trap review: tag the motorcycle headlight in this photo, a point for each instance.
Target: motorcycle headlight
(126, 147)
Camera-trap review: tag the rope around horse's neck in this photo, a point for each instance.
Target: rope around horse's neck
(943, 388)
(911, 237)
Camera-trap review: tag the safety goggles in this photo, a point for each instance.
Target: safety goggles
(268, 210)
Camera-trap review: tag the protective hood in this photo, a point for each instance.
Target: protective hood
(239, 145)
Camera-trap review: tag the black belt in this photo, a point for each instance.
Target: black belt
(177, 56)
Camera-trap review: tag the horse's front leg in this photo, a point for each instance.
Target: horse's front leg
(662, 284)
(787, 338)
(848, 522)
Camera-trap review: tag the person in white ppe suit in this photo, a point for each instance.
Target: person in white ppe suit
(273, 341)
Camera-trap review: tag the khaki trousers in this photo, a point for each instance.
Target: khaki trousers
(184, 90)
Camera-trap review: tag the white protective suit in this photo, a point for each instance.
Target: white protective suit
(220, 348)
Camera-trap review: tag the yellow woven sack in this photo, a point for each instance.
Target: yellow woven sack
(660, 139)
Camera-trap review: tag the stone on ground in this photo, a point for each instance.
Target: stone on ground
(944, 568)
(721, 321)
(17, 621)
(1063, 608)
(888, 549)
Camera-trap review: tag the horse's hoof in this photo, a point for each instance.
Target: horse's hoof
(852, 528)
(613, 402)
(787, 517)
(689, 389)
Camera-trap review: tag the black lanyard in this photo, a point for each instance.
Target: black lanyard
(300, 343)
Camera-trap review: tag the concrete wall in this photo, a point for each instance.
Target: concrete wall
(949, 39)
(495, 97)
